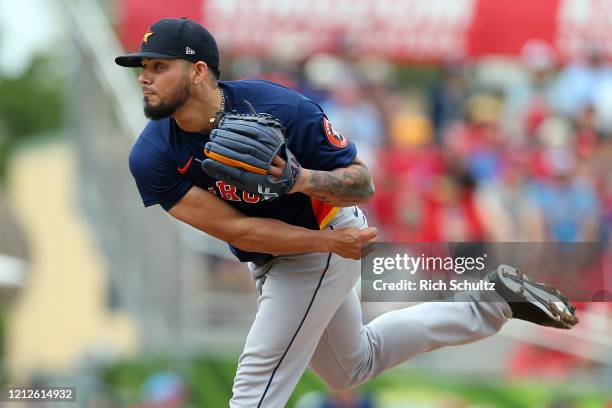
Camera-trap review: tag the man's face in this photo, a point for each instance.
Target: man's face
(165, 86)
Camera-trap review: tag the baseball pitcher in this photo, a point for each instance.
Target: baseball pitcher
(262, 168)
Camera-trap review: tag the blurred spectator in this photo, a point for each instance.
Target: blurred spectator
(164, 389)
(404, 177)
(448, 98)
(578, 83)
(478, 141)
(569, 204)
(600, 176)
(507, 200)
(354, 116)
(409, 127)
(449, 210)
(530, 98)
(586, 136)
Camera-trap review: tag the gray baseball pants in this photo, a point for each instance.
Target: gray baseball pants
(309, 314)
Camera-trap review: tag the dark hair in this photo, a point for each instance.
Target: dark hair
(212, 70)
(215, 72)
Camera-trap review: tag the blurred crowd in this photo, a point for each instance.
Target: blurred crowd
(490, 150)
(497, 149)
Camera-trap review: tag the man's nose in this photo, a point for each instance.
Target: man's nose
(144, 78)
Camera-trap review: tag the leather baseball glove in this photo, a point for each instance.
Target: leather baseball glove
(240, 152)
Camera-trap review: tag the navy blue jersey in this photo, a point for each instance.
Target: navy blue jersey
(164, 159)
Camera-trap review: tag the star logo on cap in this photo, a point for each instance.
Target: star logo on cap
(145, 37)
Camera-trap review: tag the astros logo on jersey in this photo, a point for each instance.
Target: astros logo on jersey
(146, 36)
(333, 136)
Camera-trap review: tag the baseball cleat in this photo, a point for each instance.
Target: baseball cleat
(534, 302)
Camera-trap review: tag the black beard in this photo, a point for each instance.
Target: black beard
(167, 108)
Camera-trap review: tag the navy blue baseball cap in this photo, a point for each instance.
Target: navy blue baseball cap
(175, 38)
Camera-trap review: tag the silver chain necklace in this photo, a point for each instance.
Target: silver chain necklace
(222, 100)
(214, 118)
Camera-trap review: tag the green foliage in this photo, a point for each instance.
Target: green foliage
(30, 105)
(210, 383)
(209, 380)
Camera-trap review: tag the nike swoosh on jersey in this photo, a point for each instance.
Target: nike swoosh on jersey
(183, 170)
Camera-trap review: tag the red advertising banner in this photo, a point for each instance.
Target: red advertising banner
(135, 16)
(393, 28)
(396, 29)
(505, 26)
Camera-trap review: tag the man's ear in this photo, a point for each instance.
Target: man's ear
(199, 72)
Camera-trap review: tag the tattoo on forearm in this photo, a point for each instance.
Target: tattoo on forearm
(343, 186)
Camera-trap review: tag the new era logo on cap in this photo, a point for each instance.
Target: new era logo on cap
(189, 51)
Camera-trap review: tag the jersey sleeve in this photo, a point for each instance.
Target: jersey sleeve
(156, 176)
(316, 143)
